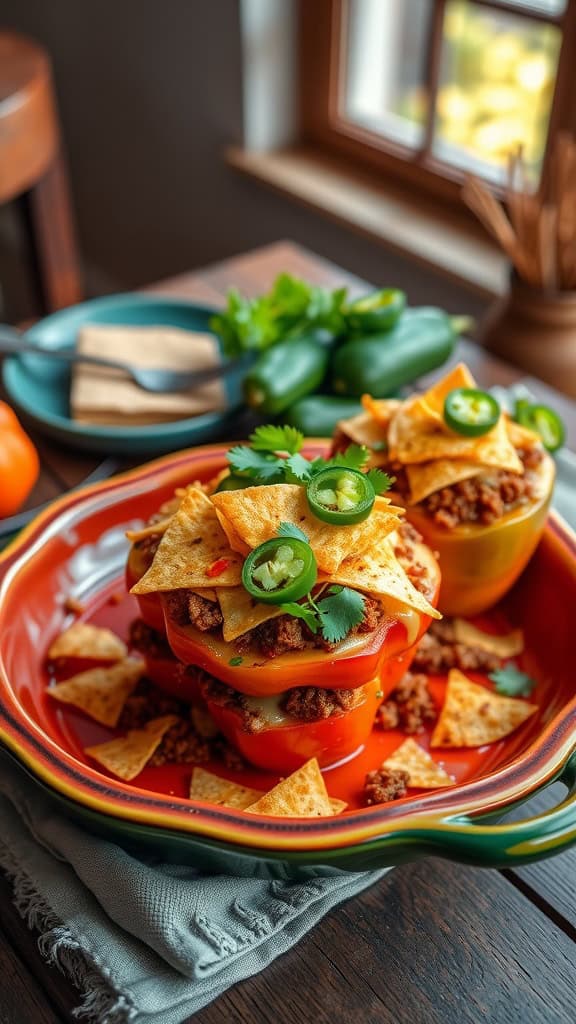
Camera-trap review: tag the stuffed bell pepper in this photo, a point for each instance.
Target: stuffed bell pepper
(298, 602)
(476, 484)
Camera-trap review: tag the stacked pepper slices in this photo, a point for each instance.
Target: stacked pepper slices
(310, 546)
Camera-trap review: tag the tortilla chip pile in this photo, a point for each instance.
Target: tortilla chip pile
(206, 541)
(415, 434)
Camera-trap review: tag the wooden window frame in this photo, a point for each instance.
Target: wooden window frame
(321, 24)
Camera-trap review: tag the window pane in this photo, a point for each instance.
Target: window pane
(544, 6)
(385, 67)
(496, 86)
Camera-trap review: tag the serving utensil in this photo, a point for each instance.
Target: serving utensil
(157, 380)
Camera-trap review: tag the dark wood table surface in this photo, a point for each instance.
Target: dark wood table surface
(433, 942)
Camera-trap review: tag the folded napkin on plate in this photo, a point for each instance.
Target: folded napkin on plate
(106, 396)
(146, 942)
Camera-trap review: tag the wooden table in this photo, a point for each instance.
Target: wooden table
(433, 942)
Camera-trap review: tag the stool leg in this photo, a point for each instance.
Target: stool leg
(53, 241)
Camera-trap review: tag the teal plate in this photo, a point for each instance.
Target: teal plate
(39, 389)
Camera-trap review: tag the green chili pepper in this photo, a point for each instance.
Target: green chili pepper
(379, 364)
(318, 415)
(284, 373)
(543, 421)
(340, 496)
(376, 312)
(280, 570)
(470, 411)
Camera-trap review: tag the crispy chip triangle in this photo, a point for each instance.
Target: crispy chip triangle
(100, 692)
(154, 530)
(193, 542)
(256, 513)
(205, 785)
(381, 574)
(504, 646)
(380, 410)
(82, 640)
(473, 715)
(423, 771)
(418, 432)
(128, 755)
(241, 612)
(426, 477)
(302, 795)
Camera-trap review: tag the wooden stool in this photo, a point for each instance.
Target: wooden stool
(31, 165)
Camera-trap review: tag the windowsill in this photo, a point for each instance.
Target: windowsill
(443, 239)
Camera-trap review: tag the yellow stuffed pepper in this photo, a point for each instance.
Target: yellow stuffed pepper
(475, 484)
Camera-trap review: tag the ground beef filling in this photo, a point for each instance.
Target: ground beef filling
(409, 707)
(148, 641)
(385, 784)
(406, 553)
(303, 703)
(272, 638)
(438, 652)
(485, 499)
(186, 742)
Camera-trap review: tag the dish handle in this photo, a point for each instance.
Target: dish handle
(473, 840)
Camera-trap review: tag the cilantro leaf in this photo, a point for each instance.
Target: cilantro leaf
(291, 308)
(298, 469)
(291, 530)
(511, 682)
(354, 457)
(340, 612)
(257, 465)
(302, 611)
(380, 481)
(270, 438)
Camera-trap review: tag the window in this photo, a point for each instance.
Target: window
(430, 89)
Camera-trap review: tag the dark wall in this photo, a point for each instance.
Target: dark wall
(150, 95)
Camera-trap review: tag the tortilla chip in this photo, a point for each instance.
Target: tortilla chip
(128, 755)
(83, 640)
(381, 574)
(337, 805)
(435, 396)
(416, 436)
(380, 410)
(302, 795)
(503, 646)
(423, 772)
(234, 539)
(193, 541)
(155, 529)
(418, 432)
(256, 513)
(241, 612)
(473, 715)
(425, 478)
(521, 437)
(216, 790)
(100, 692)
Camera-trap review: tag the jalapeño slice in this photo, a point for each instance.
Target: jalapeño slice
(280, 570)
(470, 411)
(340, 496)
(543, 421)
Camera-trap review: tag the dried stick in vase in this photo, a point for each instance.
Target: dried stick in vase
(493, 217)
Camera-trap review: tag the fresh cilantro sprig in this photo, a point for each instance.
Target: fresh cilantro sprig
(291, 308)
(511, 682)
(272, 438)
(333, 616)
(273, 456)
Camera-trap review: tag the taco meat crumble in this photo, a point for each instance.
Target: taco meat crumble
(485, 499)
(305, 703)
(385, 784)
(409, 707)
(438, 652)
